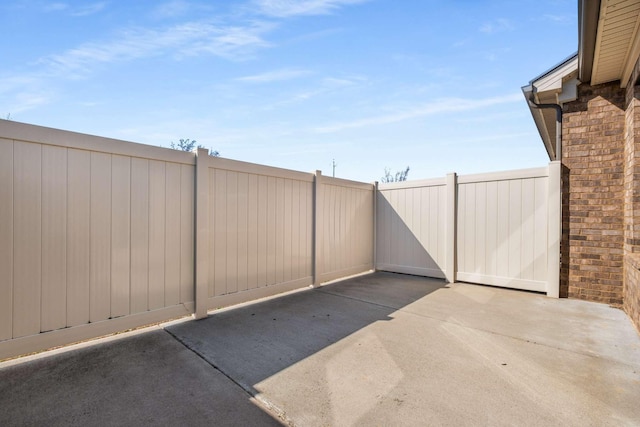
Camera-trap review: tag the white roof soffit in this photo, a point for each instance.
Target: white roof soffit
(617, 40)
(555, 78)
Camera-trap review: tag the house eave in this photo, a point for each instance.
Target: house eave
(555, 86)
(588, 16)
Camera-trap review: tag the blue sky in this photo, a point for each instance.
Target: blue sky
(434, 85)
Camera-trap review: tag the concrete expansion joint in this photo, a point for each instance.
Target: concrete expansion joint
(401, 310)
(265, 403)
(581, 353)
(357, 299)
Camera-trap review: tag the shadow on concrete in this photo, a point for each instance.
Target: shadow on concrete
(145, 379)
(252, 343)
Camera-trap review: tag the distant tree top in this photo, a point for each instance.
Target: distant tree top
(397, 177)
(190, 144)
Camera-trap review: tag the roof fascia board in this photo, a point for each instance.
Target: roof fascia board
(588, 16)
(632, 56)
(538, 118)
(597, 57)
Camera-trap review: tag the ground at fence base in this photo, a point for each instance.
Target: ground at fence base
(382, 349)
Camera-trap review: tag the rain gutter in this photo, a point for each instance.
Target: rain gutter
(588, 16)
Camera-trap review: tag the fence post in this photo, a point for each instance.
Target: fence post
(554, 227)
(202, 234)
(451, 235)
(375, 225)
(317, 226)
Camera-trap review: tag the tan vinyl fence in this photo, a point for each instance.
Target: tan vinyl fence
(95, 236)
(411, 228)
(500, 229)
(345, 223)
(255, 231)
(100, 235)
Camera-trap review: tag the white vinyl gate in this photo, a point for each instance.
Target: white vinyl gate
(500, 229)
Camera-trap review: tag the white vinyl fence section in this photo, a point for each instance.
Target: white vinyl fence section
(345, 222)
(260, 230)
(500, 229)
(99, 235)
(95, 236)
(411, 227)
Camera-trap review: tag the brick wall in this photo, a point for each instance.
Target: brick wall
(593, 159)
(632, 288)
(631, 292)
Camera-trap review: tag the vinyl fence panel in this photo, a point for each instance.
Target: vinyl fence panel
(499, 229)
(346, 218)
(411, 227)
(254, 234)
(502, 229)
(90, 236)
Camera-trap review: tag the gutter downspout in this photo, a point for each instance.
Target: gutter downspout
(534, 104)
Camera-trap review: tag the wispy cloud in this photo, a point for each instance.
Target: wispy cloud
(89, 9)
(56, 6)
(492, 138)
(187, 39)
(84, 10)
(28, 100)
(326, 86)
(171, 9)
(273, 76)
(498, 26)
(446, 105)
(560, 19)
(22, 93)
(239, 42)
(287, 8)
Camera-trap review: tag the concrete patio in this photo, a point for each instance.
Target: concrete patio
(379, 349)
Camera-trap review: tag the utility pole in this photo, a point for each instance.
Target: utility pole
(334, 167)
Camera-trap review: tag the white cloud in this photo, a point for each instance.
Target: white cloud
(273, 76)
(53, 7)
(497, 26)
(230, 42)
(326, 86)
(287, 8)
(89, 9)
(561, 19)
(28, 100)
(447, 105)
(8, 84)
(494, 137)
(188, 39)
(171, 9)
(19, 92)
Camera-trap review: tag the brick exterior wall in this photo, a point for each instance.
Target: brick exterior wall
(593, 158)
(631, 288)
